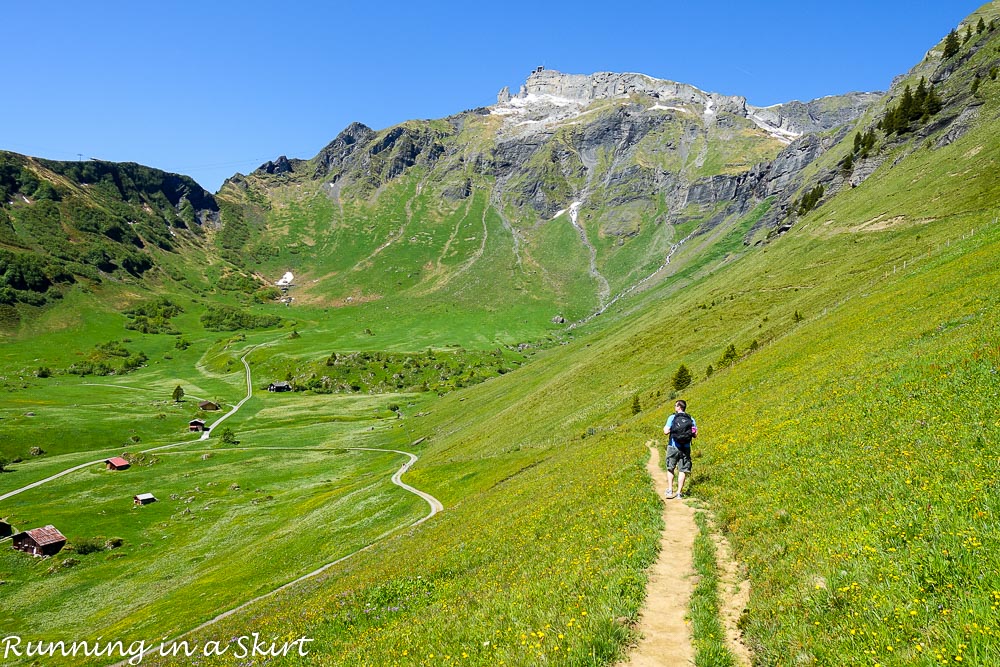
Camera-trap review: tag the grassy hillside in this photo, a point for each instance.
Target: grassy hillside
(850, 458)
(849, 451)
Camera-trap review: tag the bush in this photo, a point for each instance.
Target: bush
(227, 318)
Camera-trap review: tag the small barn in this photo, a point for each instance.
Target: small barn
(280, 386)
(5, 529)
(208, 406)
(45, 541)
(196, 425)
(117, 463)
(143, 499)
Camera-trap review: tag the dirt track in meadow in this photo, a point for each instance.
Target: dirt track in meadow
(665, 630)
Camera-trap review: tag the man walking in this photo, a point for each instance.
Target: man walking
(681, 428)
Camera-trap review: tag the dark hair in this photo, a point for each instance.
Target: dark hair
(682, 403)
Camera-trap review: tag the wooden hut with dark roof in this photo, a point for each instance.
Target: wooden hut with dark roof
(46, 541)
(6, 530)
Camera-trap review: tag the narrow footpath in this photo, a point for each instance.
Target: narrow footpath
(666, 633)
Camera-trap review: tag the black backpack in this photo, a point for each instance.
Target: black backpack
(680, 428)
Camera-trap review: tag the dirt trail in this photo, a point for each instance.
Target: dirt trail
(734, 594)
(666, 634)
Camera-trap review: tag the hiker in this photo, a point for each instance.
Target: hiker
(681, 428)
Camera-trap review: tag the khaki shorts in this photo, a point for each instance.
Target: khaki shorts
(678, 459)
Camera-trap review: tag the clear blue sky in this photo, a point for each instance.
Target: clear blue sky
(210, 88)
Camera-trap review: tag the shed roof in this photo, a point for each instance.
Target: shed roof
(117, 461)
(145, 496)
(45, 535)
(197, 421)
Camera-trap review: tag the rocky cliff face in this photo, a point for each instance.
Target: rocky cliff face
(549, 96)
(621, 118)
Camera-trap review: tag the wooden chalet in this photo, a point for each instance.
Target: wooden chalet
(45, 541)
(196, 425)
(117, 463)
(6, 530)
(280, 386)
(143, 499)
(208, 406)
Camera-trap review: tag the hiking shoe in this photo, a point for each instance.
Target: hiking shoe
(679, 497)
(670, 494)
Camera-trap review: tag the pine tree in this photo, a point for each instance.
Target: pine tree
(636, 406)
(682, 378)
(847, 166)
(889, 124)
(178, 394)
(932, 104)
(981, 26)
(857, 141)
(951, 44)
(968, 33)
(729, 356)
(919, 100)
(709, 371)
(867, 143)
(906, 107)
(975, 85)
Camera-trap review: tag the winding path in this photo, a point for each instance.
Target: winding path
(434, 503)
(435, 506)
(204, 436)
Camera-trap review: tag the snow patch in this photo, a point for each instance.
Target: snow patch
(574, 210)
(784, 136)
(668, 108)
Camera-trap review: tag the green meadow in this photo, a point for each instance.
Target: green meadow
(848, 448)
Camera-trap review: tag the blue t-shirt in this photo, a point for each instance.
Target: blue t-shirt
(670, 420)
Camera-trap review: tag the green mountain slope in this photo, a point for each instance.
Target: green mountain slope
(851, 457)
(849, 451)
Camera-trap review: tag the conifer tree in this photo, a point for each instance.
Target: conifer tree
(906, 106)
(975, 85)
(682, 378)
(919, 100)
(968, 33)
(709, 371)
(636, 406)
(178, 394)
(857, 141)
(951, 44)
(932, 104)
(847, 166)
(867, 143)
(981, 26)
(729, 356)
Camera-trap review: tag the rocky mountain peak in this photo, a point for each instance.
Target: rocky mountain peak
(549, 97)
